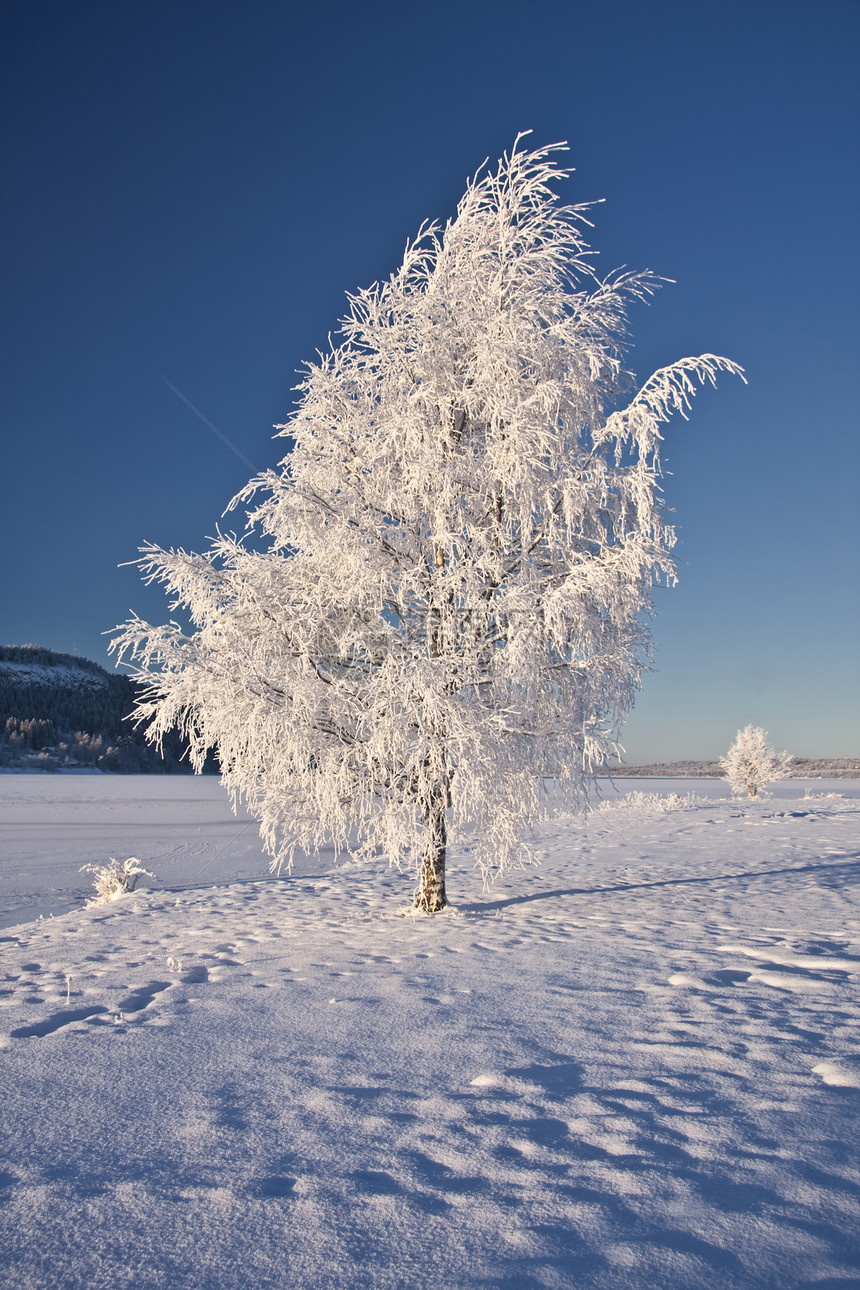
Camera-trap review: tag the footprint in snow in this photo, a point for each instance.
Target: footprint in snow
(276, 1188)
(57, 1020)
(557, 1081)
(376, 1182)
(816, 970)
(142, 997)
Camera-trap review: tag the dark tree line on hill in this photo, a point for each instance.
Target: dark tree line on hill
(58, 710)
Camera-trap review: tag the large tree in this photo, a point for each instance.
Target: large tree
(448, 591)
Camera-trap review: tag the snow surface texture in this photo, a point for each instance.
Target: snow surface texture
(636, 1065)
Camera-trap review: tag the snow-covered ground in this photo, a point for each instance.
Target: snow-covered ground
(179, 826)
(634, 1066)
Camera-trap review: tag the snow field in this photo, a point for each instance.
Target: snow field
(52, 825)
(637, 1064)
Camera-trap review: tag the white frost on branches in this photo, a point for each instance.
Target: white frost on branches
(751, 763)
(459, 551)
(114, 879)
(658, 803)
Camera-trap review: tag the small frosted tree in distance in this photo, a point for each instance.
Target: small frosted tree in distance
(751, 763)
(452, 594)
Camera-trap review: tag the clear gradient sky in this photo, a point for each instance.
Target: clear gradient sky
(192, 185)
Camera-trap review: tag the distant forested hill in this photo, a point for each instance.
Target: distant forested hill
(60, 711)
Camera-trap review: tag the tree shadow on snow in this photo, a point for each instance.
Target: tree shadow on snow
(841, 873)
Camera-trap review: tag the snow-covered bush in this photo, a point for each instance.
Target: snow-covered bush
(662, 803)
(114, 879)
(448, 585)
(751, 763)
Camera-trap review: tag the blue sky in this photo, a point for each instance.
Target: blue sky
(191, 188)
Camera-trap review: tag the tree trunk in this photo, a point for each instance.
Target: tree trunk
(430, 896)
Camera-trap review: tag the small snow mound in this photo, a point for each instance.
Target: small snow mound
(793, 982)
(836, 1075)
(686, 978)
(488, 1080)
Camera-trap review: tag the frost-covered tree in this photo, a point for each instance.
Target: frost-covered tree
(751, 763)
(449, 588)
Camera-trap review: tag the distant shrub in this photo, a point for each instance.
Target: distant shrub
(751, 764)
(114, 879)
(662, 803)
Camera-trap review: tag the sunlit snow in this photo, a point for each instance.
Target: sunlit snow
(634, 1065)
